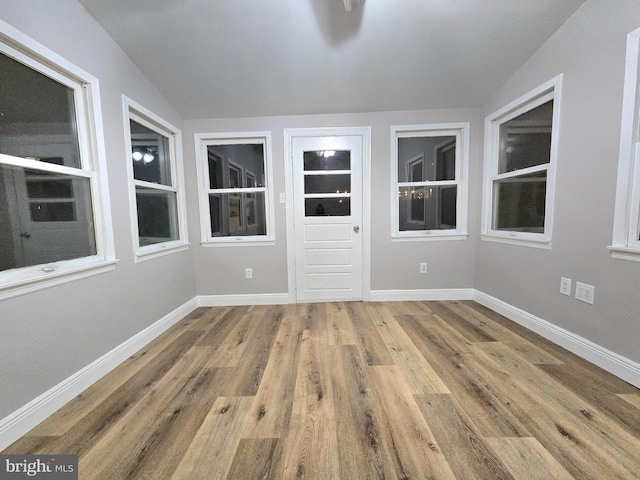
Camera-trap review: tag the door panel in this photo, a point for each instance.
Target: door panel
(327, 217)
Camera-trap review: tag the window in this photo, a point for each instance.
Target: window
(53, 223)
(626, 225)
(156, 192)
(429, 171)
(520, 168)
(235, 195)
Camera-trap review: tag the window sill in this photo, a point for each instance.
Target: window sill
(31, 279)
(238, 242)
(625, 253)
(159, 250)
(428, 237)
(542, 243)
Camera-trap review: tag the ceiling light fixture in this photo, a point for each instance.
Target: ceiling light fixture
(351, 4)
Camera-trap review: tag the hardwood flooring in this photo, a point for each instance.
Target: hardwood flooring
(406, 390)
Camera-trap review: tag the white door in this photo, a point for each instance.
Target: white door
(327, 176)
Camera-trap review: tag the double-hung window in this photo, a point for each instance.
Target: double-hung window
(54, 223)
(156, 193)
(626, 225)
(520, 156)
(429, 174)
(235, 187)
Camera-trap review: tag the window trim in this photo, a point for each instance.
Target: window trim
(550, 90)
(136, 112)
(24, 280)
(202, 142)
(461, 131)
(626, 221)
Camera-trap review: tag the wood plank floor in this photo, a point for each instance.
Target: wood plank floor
(407, 390)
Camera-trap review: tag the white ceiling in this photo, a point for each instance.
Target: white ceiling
(233, 58)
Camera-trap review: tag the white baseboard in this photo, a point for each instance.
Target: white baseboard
(421, 295)
(25, 418)
(251, 299)
(616, 364)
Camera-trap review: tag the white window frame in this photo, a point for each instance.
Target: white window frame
(460, 131)
(138, 113)
(20, 281)
(550, 90)
(626, 223)
(202, 142)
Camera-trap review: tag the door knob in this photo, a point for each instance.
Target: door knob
(26, 235)
(356, 228)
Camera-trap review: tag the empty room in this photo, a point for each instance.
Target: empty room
(322, 239)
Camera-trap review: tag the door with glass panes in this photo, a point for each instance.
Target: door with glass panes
(327, 175)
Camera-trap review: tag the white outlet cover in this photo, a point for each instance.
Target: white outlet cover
(565, 286)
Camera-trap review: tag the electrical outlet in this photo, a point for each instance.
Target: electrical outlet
(283, 197)
(423, 267)
(565, 286)
(585, 293)
(248, 272)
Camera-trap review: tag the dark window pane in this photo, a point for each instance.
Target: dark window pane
(238, 214)
(330, 207)
(49, 188)
(39, 229)
(520, 203)
(525, 141)
(327, 183)
(38, 116)
(215, 171)
(52, 212)
(216, 213)
(157, 217)
(426, 159)
(150, 155)
(446, 162)
(327, 160)
(427, 208)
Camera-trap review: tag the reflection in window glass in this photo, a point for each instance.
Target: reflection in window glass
(150, 155)
(327, 160)
(240, 214)
(520, 203)
(156, 216)
(329, 207)
(427, 207)
(426, 159)
(427, 184)
(526, 139)
(38, 116)
(239, 167)
(339, 183)
(49, 220)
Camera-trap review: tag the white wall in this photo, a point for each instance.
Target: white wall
(589, 49)
(51, 334)
(394, 266)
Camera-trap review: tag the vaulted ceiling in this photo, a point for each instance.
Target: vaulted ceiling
(232, 58)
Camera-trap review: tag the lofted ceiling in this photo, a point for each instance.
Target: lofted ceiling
(238, 58)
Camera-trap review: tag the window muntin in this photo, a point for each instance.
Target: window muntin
(520, 168)
(53, 202)
(235, 176)
(430, 165)
(157, 202)
(626, 224)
